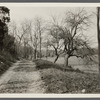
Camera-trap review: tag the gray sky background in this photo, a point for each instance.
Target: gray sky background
(18, 14)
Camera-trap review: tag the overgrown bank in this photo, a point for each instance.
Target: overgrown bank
(59, 81)
(8, 52)
(6, 60)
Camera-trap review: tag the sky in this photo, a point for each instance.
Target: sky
(19, 13)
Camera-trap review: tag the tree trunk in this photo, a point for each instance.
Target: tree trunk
(98, 32)
(56, 58)
(35, 51)
(40, 50)
(46, 52)
(1, 46)
(66, 60)
(40, 45)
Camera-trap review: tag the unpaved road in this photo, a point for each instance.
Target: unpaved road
(22, 77)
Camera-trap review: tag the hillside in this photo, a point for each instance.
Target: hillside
(6, 60)
(66, 81)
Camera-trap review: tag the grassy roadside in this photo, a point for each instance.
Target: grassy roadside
(6, 61)
(59, 81)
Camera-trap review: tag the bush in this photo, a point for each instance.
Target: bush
(6, 61)
(44, 64)
(6, 56)
(4, 67)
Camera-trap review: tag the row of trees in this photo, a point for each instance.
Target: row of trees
(28, 37)
(65, 36)
(68, 37)
(4, 19)
(6, 40)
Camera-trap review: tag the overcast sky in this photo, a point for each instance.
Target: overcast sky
(19, 13)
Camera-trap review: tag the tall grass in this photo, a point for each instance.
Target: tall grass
(74, 81)
(6, 60)
(58, 81)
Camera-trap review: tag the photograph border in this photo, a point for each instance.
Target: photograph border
(50, 95)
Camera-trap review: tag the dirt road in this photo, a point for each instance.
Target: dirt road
(22, 77)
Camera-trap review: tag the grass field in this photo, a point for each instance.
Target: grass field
(69, 81)
(59, 81)
(76, 63)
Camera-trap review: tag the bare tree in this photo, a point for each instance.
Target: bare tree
(39, 29)
(34, 39)
(18, 33)
(22, 35)
(26, 31)
(71, 32)
(55, 40)
(15, 32)
(74, 40)
(47, 47)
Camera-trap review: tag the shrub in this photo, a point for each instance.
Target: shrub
(44, 64)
